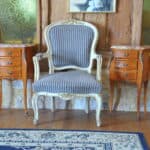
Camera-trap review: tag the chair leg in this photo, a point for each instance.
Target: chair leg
(67, 103)
(145, 95)
(98, 109)
(43, 97)
(53, 104)
(87, 105)
(35, 109)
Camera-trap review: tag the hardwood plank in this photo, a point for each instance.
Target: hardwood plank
(45, 19)
(100, 21)
(137, 12)
(119, 25)
(59, 10)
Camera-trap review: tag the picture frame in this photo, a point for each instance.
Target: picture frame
(92, 6)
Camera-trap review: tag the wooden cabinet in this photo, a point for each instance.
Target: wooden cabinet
(130, 64)
(16, 63)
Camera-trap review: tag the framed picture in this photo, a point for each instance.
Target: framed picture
(92, 6)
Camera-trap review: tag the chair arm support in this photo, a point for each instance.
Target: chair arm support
(41, 56)
(98, 58)
(36, 60)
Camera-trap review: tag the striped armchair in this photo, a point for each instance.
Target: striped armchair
(70, 52)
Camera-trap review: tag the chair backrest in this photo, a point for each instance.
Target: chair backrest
(71, 44)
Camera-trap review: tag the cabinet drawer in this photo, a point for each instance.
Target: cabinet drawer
(123, 75)
(11, 72)
(124, 64)
(4, 62)
(125, 54)
(10, 52)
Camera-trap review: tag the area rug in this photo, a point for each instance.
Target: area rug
(29, 139)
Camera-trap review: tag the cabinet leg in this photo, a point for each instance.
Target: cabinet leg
(111, 95)
(0, 94)
(138, 100)
(145, 95)
(118, 95)
(25, 94)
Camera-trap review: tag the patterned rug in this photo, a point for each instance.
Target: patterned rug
(29, 139)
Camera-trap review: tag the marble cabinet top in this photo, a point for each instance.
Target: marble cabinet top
(129, 47)
(15, 45)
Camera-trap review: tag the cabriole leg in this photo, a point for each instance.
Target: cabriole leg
(35, 109)
(53, 104)
(87, 105)
(98, 109)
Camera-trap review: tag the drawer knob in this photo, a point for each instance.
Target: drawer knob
(9, 72)
(9, 63)
(9, 53)
(126, 74)
(121, 65)
(126, 55)
(125, 65)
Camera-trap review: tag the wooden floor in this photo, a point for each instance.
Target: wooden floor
(116, 121)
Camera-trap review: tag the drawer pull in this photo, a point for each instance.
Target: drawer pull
(126, 74)
(125, 65)
(9, 53)
(121, 65)
(126, 55)
(9, 63)
(9, 72)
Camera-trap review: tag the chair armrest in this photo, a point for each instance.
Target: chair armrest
(40, 56)
(36, 60)
(98, 58)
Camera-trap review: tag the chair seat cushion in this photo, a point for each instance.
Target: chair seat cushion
(68, 82)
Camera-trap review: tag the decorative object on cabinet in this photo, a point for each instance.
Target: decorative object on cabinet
(70, 45)
(131, 64)
(92, 6)
(16, 63)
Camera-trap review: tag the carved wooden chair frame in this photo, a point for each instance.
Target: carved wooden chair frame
(52, 68)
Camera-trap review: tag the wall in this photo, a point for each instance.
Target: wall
(122, 27)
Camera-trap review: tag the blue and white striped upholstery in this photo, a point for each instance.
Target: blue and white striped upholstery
(68, 82)
(71, 45)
